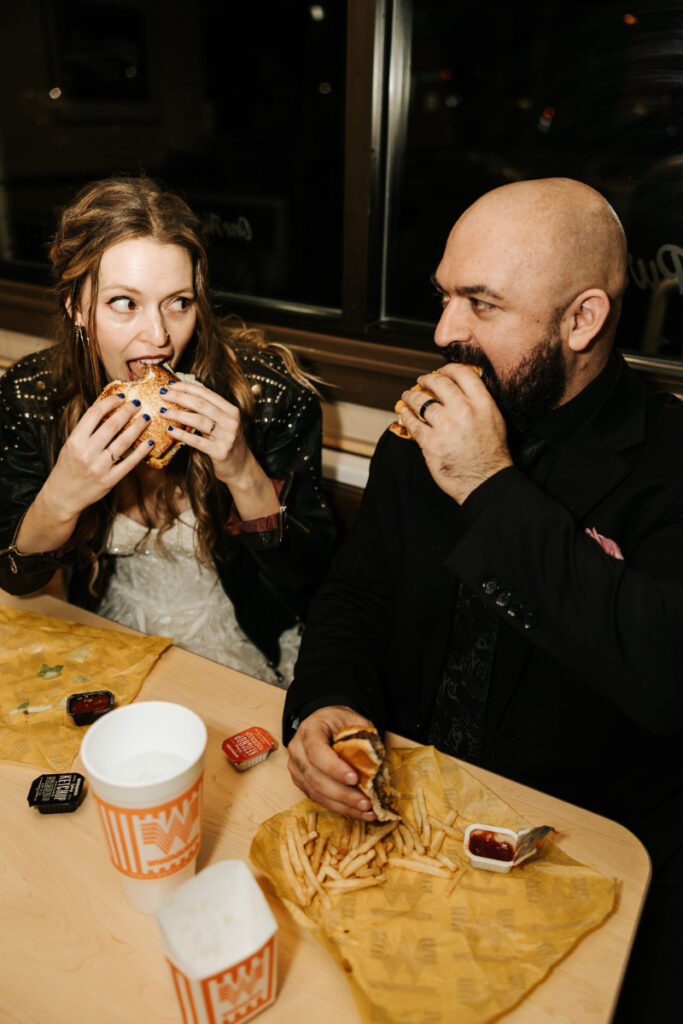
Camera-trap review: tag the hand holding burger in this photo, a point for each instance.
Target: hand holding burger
(462, 433)
(397, 427)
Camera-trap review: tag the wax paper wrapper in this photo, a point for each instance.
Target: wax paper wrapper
(42, 661)
(406, 947)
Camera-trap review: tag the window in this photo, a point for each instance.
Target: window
(488, 93)
(238, 107)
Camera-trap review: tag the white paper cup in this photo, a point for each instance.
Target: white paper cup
(144, 763)
(220, 940)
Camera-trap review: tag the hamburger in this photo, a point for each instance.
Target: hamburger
(397, 427)
(361, 747)
(146, 390)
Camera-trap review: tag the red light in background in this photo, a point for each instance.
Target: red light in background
(549, 112)
(446, 74)
(630, 19)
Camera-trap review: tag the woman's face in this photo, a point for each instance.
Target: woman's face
(145, 310)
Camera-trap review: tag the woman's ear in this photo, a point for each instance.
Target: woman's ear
(586, 317)
(74, 311)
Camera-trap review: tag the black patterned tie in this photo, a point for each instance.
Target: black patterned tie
(457, 722)
(456, 725)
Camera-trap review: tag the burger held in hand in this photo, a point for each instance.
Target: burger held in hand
(397, 427)
(146, 390)
(361, 747)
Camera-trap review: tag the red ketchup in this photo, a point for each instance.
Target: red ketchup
(84, 708)
(485, 844)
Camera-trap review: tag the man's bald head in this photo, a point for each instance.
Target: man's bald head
(564, 232)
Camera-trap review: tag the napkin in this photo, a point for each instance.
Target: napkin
(408, 951)
(42, 661)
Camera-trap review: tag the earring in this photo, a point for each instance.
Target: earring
(82, 339)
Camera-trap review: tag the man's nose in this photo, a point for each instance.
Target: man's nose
(453, 323)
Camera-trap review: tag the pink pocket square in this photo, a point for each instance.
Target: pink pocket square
(609, 546)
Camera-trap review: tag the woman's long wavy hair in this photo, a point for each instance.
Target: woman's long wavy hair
(103, 214)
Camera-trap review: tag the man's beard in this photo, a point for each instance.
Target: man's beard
(534, 388)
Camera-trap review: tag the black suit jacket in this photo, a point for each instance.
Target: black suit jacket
(586, 697)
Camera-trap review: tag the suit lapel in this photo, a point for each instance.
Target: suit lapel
(582, 476)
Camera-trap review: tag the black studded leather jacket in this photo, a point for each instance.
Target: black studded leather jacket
(269, 575)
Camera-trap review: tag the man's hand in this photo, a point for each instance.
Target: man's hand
(464, 438)
(319, 772)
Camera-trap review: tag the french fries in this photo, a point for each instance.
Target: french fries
(318, 864)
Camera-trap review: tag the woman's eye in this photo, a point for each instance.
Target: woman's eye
(122, 304)
(182, 302)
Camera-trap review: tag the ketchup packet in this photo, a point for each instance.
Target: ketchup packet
(85, 708)
(500, 849)
(56, 794)
(247, 748)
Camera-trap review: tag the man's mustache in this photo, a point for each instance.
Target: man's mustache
(458, 352)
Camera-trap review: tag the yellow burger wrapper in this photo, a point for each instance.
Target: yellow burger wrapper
(409, 951)
(42, 661)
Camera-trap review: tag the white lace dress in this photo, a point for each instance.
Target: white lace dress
(169, 592)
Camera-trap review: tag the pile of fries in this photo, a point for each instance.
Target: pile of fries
(363, 854)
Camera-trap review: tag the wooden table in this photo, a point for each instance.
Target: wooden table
(72, 950)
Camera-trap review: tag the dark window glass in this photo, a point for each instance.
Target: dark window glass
(500, 92)
(238, 106)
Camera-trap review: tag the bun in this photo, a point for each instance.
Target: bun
(361, 747)
(146, 390)
(397, 427)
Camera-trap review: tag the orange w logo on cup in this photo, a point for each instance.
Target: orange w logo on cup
(144, 763)
(136, 838)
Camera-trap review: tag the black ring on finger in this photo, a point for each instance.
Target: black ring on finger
(421, 413)
(114, 460)
(213, 426)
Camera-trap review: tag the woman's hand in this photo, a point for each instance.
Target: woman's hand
(219, 434)
(92, 461)
(319, 772)
(217, 423)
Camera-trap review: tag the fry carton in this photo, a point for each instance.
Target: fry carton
(219, 938)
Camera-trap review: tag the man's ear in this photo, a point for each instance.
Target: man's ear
(586, 317)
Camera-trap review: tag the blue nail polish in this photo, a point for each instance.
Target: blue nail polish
(163, 409)
(136, 401)
(150, 442)
(145, 416)
(119, 395)
(172, 382)
(163, 391)
(170, 428)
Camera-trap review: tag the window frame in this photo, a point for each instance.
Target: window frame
(361, 354)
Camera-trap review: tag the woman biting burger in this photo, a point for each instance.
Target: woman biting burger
(212, 529)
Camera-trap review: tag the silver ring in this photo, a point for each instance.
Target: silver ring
(421, 414)
(213, 426)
